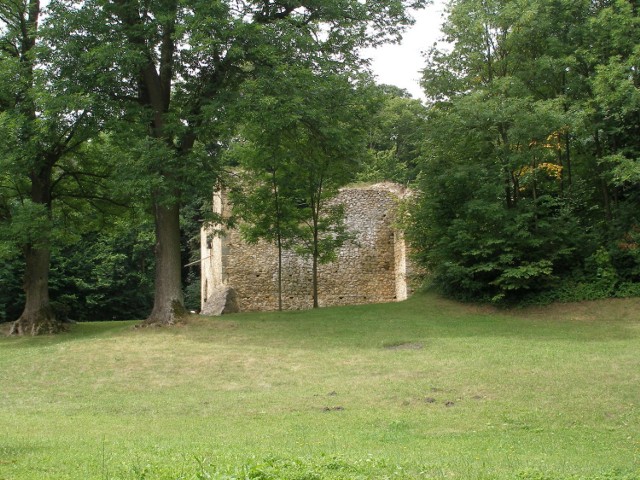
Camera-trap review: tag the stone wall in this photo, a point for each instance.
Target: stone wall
(372, 268)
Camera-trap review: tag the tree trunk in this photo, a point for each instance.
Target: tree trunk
(279, 272)
(168, 305)
(316, 199)
(606, 199)
(276, 198)
(155, 86)
(316, 254)
(315, 280)
(568, 157)
(37, 318)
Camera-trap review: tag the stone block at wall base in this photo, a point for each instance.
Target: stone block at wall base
(222, 300)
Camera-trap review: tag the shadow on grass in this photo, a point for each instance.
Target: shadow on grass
(424, 318)
(76, 332)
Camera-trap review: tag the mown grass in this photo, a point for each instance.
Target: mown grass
(421, 389)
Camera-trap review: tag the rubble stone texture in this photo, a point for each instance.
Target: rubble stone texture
(372, 268)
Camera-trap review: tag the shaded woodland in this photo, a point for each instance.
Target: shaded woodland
(117, 117)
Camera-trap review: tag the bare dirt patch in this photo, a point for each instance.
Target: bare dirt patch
(338, 408)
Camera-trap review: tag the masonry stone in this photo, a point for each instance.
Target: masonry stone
(371, 268)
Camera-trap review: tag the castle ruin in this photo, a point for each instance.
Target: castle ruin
(371, 268)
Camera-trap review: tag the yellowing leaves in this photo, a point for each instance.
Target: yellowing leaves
(545, 169)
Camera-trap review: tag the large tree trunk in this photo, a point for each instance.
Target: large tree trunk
(38, 318)
(168, 305)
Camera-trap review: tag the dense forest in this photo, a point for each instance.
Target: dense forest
(530, 177)
(117, 118)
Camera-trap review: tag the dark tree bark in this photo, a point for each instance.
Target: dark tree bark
(37, 317)
(168, 306)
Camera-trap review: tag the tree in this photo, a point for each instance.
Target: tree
(263, 200)
(487, 140)
(304, 137)
(184, 61)
(46, 115)
(395, 138)
(522, 145)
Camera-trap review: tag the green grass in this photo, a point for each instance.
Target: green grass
(421, 389)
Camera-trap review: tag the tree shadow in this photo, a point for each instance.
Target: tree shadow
(76, 332)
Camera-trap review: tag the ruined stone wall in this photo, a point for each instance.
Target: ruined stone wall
(369, 269)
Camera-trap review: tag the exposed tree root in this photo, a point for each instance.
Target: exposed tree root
(40, 322)
(173, 314)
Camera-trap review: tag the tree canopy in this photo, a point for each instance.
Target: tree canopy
(528, 185)
(117, 118)
(303, 137)
(160, 78)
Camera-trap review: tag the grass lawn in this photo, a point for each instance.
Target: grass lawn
(426, 388)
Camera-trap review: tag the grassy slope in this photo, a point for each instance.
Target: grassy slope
(546, 393)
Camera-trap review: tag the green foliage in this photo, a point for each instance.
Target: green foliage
(11, 294)
(486, 252)
(174, 71)
(602, 276)
(302, 136)
(101, 276)
(50, 111)
(105, 275)
(531, 186)
(108, 276)
(30, 224)
(395, 138)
